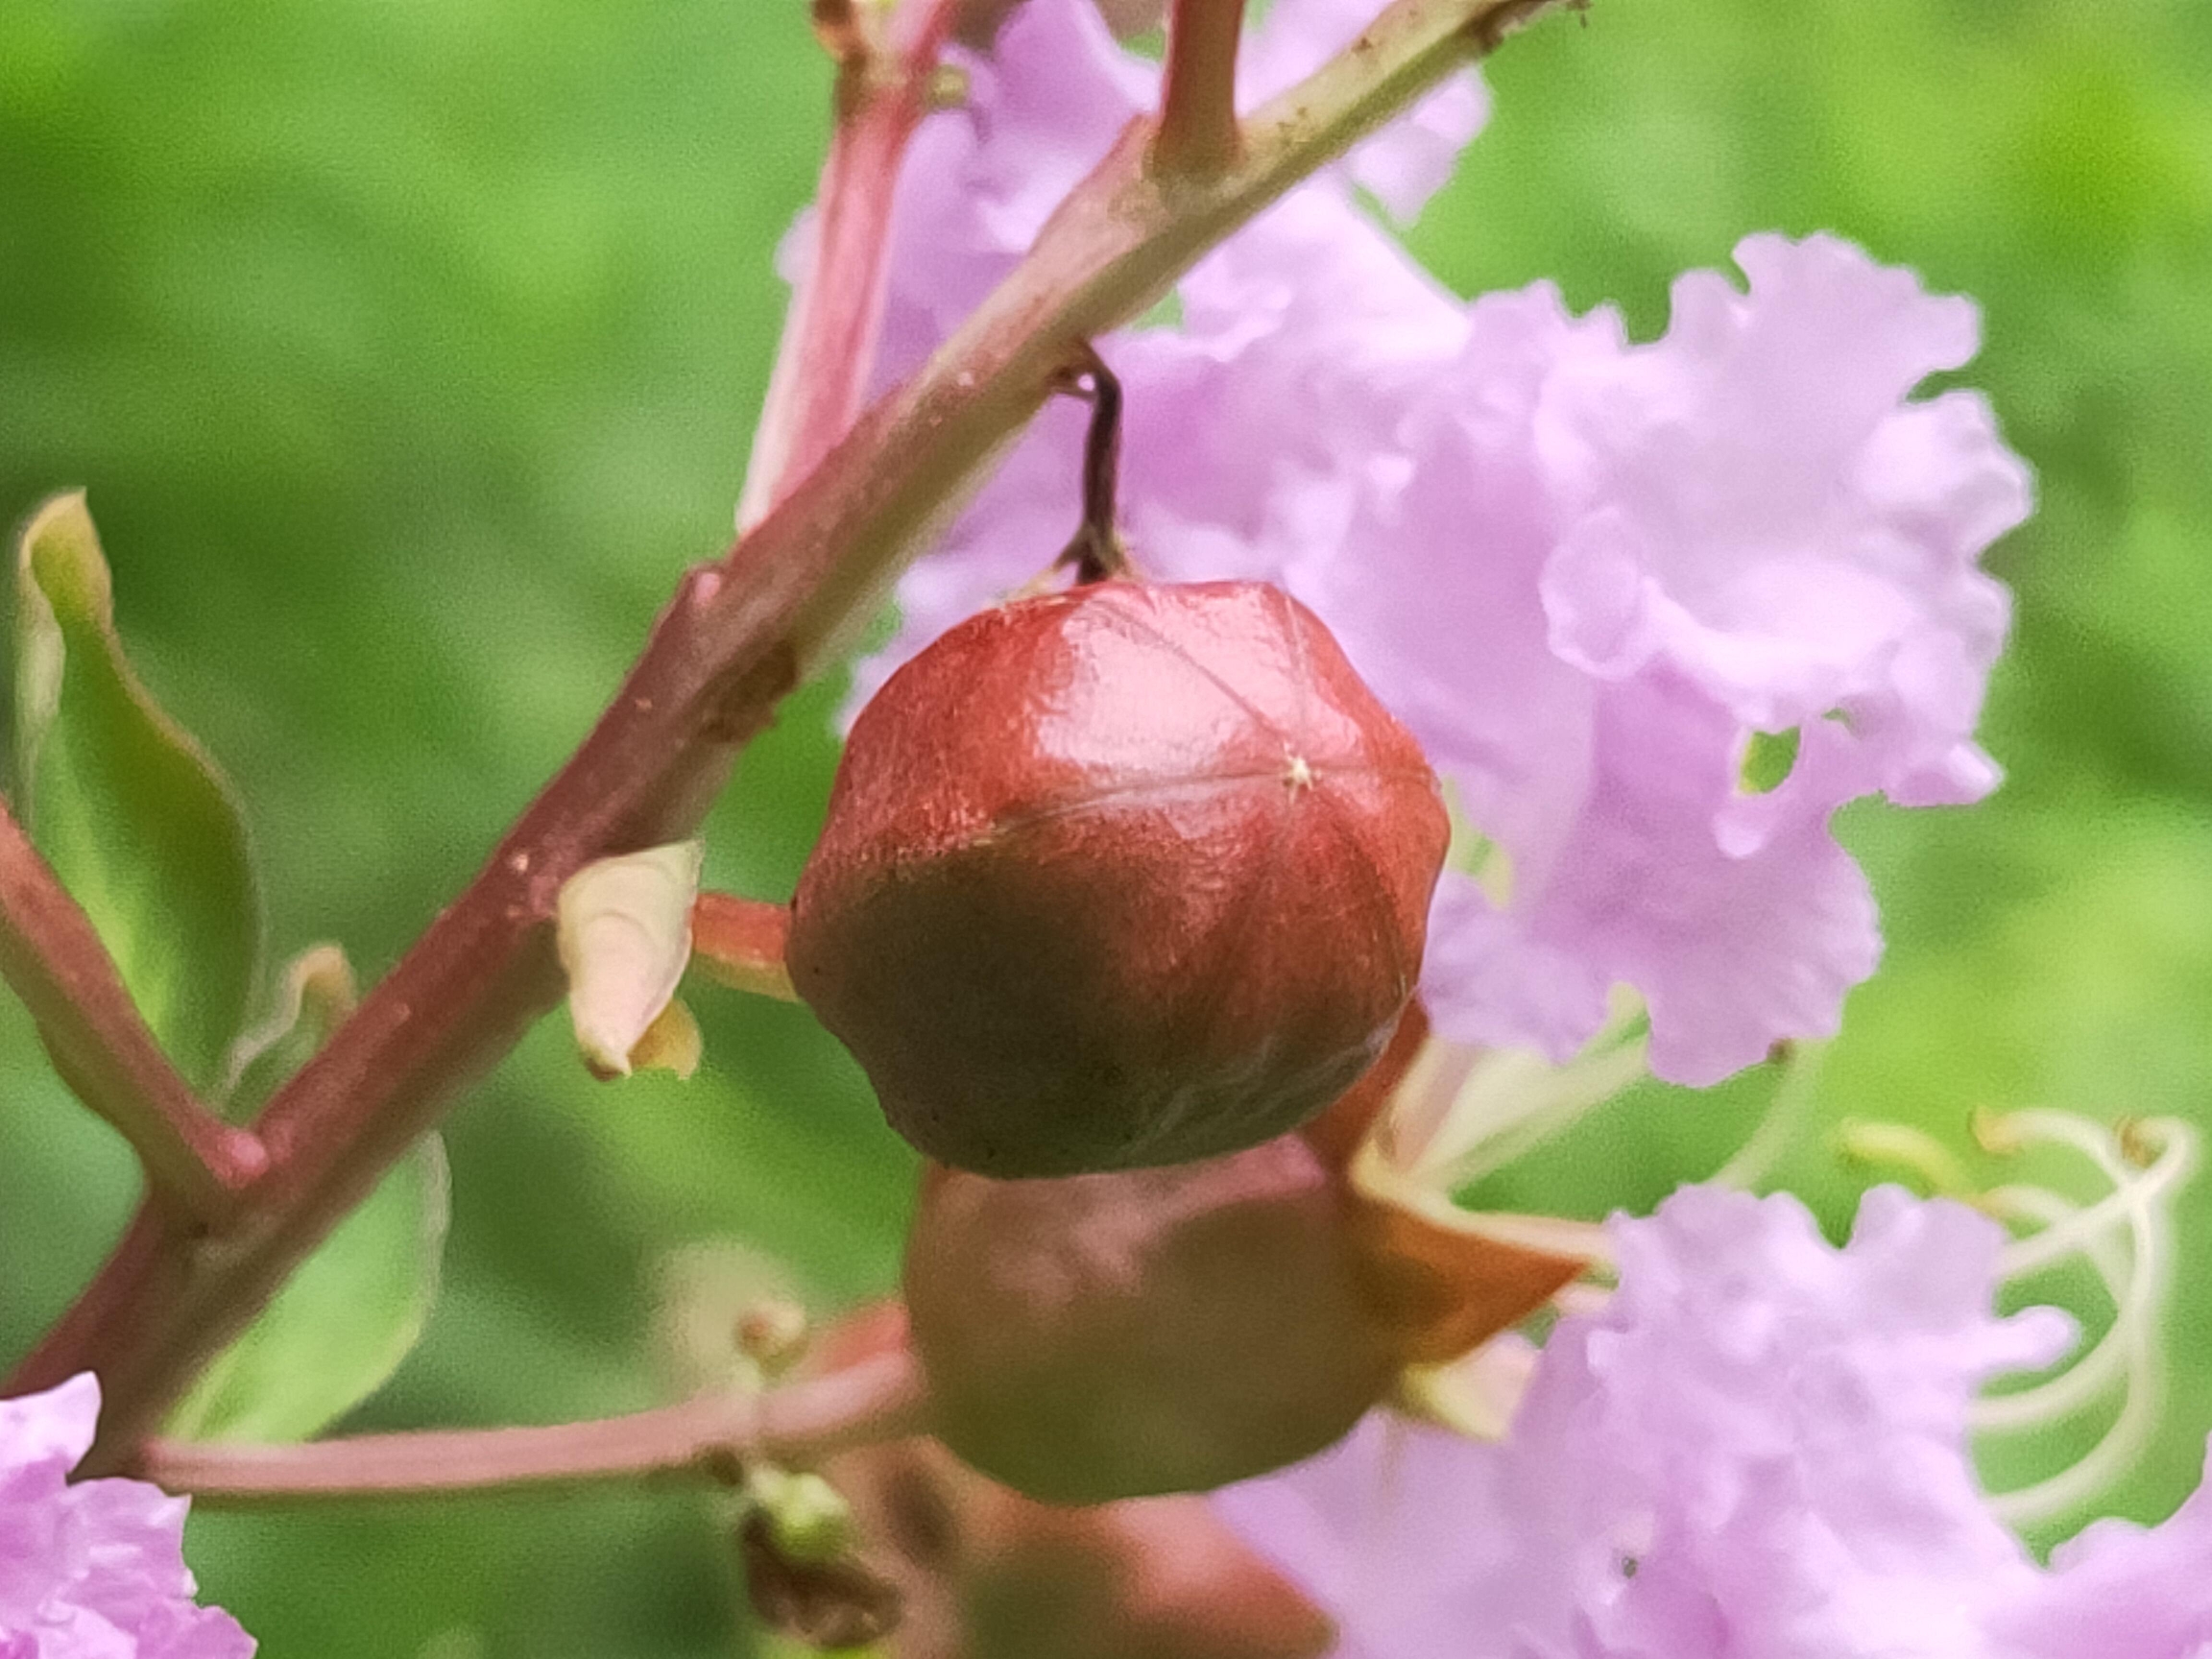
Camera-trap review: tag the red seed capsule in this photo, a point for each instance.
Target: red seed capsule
(1116, 878)
(1151, 1331)
(1142, 1332)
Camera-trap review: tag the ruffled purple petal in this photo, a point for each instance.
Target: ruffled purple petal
(1758, 1447)
(2119, 1590)
(95, 1570)
(1754, 502)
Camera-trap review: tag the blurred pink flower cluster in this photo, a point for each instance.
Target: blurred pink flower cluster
(1585, 571)
(1758, 1447)
(96, 1570)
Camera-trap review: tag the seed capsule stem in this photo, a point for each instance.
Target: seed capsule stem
(1095, 551)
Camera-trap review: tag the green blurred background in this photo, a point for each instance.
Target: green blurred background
(410, 348)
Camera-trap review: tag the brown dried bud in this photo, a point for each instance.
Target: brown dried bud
(839, 1604)
(987, 1574)
(1120, 877)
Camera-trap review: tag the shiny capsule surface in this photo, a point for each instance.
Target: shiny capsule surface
(1118, 877)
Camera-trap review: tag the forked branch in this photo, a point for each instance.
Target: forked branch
(195, 1164)
(736, 636)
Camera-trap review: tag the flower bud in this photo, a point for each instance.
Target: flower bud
(1113, 1336)
(1150, 1330)
(1118, 877)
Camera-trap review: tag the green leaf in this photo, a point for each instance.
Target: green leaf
(341, 1325)
(135, 819)
(356, 1308)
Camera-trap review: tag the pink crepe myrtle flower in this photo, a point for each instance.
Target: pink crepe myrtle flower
(1586, 572)
(94, 1570)
(1759, 1446)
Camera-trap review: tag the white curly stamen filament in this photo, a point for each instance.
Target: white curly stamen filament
(2173, 1147)
(2135, 1267)
(2107, 1364)
(2068, 1229)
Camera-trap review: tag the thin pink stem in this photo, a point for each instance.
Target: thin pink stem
(1198, 134)
(53, 959)
(827, 356)
(713, 1435)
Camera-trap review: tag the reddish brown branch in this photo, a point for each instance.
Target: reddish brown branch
(53, 959)
(712, 1435)
(828, 353)
(1199, 136)
(731, 643)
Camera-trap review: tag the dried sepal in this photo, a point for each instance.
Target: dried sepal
(625, 938)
